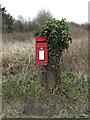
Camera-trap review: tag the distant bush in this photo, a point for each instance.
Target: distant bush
(86, 26)
(9, 24)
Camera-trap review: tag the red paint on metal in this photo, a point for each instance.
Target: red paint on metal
(41, 44)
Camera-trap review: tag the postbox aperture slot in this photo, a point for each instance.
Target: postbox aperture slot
(41, 41)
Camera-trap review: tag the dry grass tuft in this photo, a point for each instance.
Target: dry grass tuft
(77, 32)
(16, 55)
(75, 59)
(24, 37)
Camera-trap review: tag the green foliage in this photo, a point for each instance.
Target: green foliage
(74, 89)
(58, 38)
(66, 82)
(20, 86)
(7, 21)
(30, 86)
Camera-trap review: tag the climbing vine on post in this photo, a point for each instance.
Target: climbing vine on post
(58, 38)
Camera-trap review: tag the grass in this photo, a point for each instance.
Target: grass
(68, 92)
(22, 79)
(75, 59)
(16, 56)
(20, 86)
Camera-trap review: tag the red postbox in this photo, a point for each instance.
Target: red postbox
(41, 50)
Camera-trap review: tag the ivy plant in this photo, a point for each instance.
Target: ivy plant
(58, 37)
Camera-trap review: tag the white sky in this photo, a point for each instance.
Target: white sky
(72, 10)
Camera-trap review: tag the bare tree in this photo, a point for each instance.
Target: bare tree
(42, 17)
(21, 18)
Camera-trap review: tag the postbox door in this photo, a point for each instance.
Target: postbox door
(41, 56)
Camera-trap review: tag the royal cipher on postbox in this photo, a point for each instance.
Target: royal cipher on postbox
(41, 50)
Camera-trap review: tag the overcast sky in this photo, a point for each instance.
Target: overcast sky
(72, 10)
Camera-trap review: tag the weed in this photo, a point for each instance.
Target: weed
(73, 88)
(17, 86)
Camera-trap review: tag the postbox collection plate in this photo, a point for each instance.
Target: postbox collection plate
(41, 54)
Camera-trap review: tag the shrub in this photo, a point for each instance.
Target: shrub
(58, 38)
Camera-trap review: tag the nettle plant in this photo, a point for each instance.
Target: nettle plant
(58, 37)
